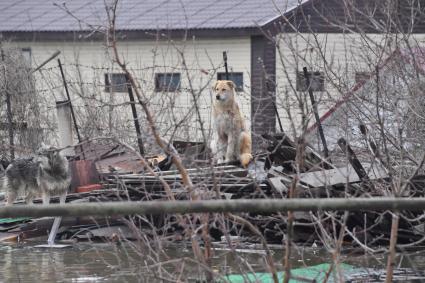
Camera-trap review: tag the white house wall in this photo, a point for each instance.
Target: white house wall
(338, 56)
(85, 64)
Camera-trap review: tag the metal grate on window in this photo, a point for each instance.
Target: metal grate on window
(167, 82)
(115, 82)
(26, 53)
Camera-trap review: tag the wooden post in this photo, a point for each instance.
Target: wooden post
(70, 103)
(225, 64)
(352, 158)
(316, 114)
(371, 143)
(135, 118)
(71, 108)
(46, 61)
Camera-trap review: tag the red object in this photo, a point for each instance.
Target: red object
(89, 188)
(83, 173)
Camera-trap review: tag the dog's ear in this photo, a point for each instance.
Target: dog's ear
(215, 85)
(231, 84)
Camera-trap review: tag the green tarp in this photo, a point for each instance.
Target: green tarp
(304, 274)
(13, 220)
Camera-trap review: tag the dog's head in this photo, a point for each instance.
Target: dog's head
(50, 152)
(224, 91)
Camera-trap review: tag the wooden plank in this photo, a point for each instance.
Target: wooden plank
(277, 184)
(340, 176)
(9, 237)
(178, 177)
(203, 169)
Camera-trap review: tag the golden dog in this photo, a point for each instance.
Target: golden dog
(231, 140)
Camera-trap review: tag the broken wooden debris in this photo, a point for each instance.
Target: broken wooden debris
(123, 177)
(279, 184)
(282, 151)
(342, 175)
(352, 158)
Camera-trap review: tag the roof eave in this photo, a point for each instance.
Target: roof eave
(83, 35)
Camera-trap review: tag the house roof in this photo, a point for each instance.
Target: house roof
(134, 15)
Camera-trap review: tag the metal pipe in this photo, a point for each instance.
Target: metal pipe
(213, 206)
(63, 112)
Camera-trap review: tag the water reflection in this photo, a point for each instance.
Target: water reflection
(30, 264)
(111, 263)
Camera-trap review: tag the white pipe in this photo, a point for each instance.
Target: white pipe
(65, 127)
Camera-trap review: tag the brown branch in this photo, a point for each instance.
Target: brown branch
(393, 243)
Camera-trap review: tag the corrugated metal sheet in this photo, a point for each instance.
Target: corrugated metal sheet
(50, 15)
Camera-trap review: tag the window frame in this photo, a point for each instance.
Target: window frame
(167, 88)
(27, 50)
(111, 87)
(361, 77)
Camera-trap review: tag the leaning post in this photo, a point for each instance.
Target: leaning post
(316, 113)
(135, 117)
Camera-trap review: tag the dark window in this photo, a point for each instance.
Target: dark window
(317, 81)
(26, 53)
(115, 83)
(361, 76)
(167, 82)
(236, 78)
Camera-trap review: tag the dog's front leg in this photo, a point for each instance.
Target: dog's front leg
(11, 197)
(45, 195)
(62, 198)
(30, 195)
(218, 148)
(214, 146)
(221, 150)
(231, 148)
(46, 198)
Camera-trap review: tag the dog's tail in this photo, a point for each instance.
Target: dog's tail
(246, 147)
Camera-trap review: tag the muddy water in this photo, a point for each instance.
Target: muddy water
(105, 262)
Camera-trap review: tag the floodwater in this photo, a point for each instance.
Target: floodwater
(109, 262)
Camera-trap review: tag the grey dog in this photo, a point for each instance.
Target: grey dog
(47, 173)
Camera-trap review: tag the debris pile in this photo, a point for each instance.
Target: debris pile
(110, 172)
